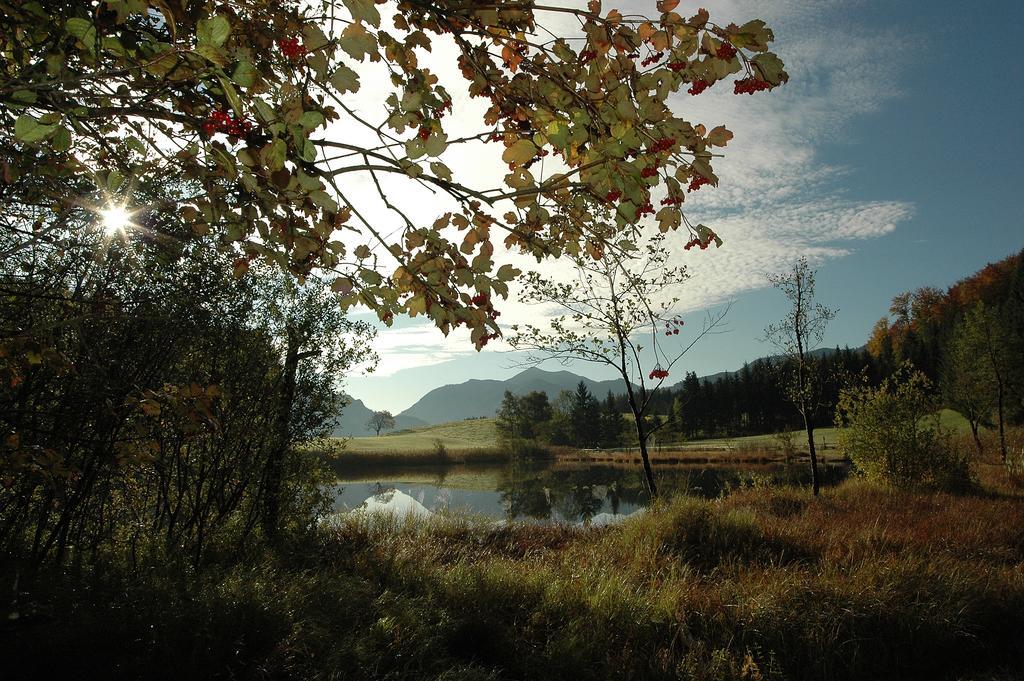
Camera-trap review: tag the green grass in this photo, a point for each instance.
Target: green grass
(456, 435)
(821, 435)
(861, 583)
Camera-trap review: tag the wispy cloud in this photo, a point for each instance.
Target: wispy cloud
(778, 199)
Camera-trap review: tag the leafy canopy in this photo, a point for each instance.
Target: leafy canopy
(251, 104)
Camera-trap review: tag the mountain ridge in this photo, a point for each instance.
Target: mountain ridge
(481, 397)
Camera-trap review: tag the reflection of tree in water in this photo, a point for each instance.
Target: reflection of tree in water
(525, 497)
(535, 491)
(579, 502)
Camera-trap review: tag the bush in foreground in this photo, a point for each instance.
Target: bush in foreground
(893, 434)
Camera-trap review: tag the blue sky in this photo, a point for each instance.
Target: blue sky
(894, 159)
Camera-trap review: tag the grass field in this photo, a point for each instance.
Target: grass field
(762, 584)
(471, 434)
(477, 440)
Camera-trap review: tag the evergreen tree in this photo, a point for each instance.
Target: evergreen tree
(585, 417)
(613, 423)
(509, 416)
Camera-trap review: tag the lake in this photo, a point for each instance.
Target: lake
(557, 491)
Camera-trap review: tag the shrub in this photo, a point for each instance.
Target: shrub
(893, 435)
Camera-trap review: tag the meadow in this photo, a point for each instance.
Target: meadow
(764, 583)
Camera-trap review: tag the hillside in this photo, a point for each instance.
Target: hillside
(352, 422)
(471, 434)
(482, 397)
(476, 398)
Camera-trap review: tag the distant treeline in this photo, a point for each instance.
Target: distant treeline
(969, 340)
(753, 400)
(574, 418)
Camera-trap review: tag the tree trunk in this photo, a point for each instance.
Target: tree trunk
(282, 438)
(1002, 430)
(974, 434)
(809, 425)
(648, 471)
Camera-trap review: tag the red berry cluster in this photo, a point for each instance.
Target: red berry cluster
(672, 327)
(677, 66)
(292, 48)
(646, 209)
(658, 372)
(489, 337)
(697, 182)
(664, 144)
(652, 59)
(672, 201)
(698, 86)
(480, 299)
(749, 86)
(726, 51)
(613, 196)
(703, 244)
(444, 108)
(587, 55)
(649, 171)
(424, 133)
(222, 121)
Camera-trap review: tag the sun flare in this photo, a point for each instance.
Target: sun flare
(116, 220)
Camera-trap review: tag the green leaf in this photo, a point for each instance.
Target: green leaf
(441, 170)
(232, 95)
(370, 277)
(520, 152)
(213, 54)
(770, 68)
(213, 31)
(24, 97)
(313, 37)
(312, 120)
(415, 148)
(363, 10)
(244, 74)
(309, 182)
(436, 144)
(114, 180)
(29, 130)
(507, 273)
(274, 154)
(668, 218)
(416, 305)
(324, 200)
(345, 80)
(307, 151)
(412, 100)
(61, 140)
(84, 31)
(357, 43)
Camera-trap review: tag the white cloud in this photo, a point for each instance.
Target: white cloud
(777, 198)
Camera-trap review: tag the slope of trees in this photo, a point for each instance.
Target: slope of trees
(576, 418)
(969, 339)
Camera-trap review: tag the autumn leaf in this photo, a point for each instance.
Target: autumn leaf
(520, 152)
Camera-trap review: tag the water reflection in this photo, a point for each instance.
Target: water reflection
(545, 492)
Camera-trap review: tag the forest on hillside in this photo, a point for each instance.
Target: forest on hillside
(968, 340)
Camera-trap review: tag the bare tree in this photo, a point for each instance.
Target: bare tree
(796, 335)
(607, 312)
(380, 420)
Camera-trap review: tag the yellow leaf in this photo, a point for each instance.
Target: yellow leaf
(719, 136)
(520, 152)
